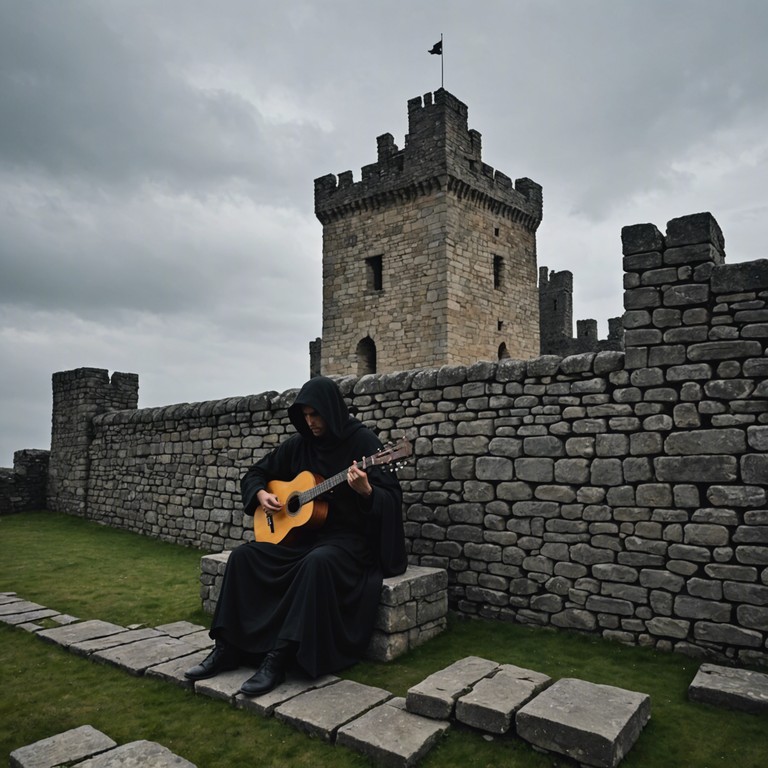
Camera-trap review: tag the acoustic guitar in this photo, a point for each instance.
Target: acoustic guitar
(301, 505)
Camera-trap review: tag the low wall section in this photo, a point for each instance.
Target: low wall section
(621, 493)
(23, 488)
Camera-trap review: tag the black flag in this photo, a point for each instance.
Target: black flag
(437, 48)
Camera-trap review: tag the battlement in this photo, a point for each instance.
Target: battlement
(440, 153)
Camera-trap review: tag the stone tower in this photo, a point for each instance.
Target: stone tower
(429, 259)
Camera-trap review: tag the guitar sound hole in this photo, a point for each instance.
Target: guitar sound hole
(293, 505)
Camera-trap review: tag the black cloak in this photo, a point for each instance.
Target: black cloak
(318, 593)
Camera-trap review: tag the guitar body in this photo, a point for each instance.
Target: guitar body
(275, 527)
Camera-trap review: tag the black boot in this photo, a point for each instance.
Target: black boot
(222, 658)
(269, 675)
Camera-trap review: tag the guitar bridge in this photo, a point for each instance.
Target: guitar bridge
(270, 523)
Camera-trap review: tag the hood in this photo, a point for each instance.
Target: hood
(324, 396)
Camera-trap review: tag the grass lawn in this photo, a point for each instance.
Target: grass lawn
(94, 572)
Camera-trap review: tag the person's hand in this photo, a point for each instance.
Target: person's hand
(269, 502)
(358, 481)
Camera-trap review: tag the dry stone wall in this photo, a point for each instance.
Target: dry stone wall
(23, 488)
(620, 493)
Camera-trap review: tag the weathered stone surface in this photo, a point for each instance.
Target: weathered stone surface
(323, 711)
(137, 754)
(99, 644)
(728, 687)
(436, 695)
(594, 724)
(292, 687)
(79, 633)
(173, 671)
(391, 736)
(136, 657)
(226, 685)
(491, 704)
(67, 747)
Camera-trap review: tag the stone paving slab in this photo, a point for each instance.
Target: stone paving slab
(136, 657)
(98, 644)
(199, 640)
(292, 687)
(27, 616)
(594, 724)
(321, 712)
(173, 671)
(492, 703)
(391, 736)
(75, 744)
(226, 685)
(739, 689)
(19, 606)
(436, 695)
(80, 632)
(137, 754)
(182, 628)
(64, 618)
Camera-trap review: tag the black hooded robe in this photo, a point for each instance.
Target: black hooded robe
(320, 592)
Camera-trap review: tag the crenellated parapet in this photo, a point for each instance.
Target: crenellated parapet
(440, 153)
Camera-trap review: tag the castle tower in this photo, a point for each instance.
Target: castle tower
(78, 396)
(429, 259)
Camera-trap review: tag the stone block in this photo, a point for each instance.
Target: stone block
(739, 689)
(436, 695)
(391, 736)
(595, 725)
(75, 744)
(322, 711)
(693, 229)
(137, 753)
(493, 701)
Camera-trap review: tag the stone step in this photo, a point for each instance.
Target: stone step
(728, 687)
(594, 724)
(89, 748)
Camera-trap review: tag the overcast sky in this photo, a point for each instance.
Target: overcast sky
(157, 160)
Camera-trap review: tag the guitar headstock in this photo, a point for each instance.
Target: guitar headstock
(393, 452)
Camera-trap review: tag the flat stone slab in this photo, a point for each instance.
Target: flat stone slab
(728, 687)
(137, 754)
(226, 685)
(182, 628)
(19, 606)
(20, 619)
(66, 747)
(492, 703)
(594, 724)
(293, 686)
(391, 736)
(436, 695)
(78, 633)
(136, 657)
(97, 644)
(173, 671)
(323, 711)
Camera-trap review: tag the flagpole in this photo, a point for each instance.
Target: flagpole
(442, 62)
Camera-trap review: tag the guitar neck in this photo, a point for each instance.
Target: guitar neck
(332, 482)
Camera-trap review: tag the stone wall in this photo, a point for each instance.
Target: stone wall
(23, 488)
(621, 493)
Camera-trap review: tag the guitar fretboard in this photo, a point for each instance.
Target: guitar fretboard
(331, 482)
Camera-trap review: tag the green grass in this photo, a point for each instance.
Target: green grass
(94, 572)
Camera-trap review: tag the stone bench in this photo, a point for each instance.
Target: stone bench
(413, 607)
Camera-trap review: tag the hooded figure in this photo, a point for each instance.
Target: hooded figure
(312, 598)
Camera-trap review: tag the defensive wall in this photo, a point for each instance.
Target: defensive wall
(23, 488)
(619, 493)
